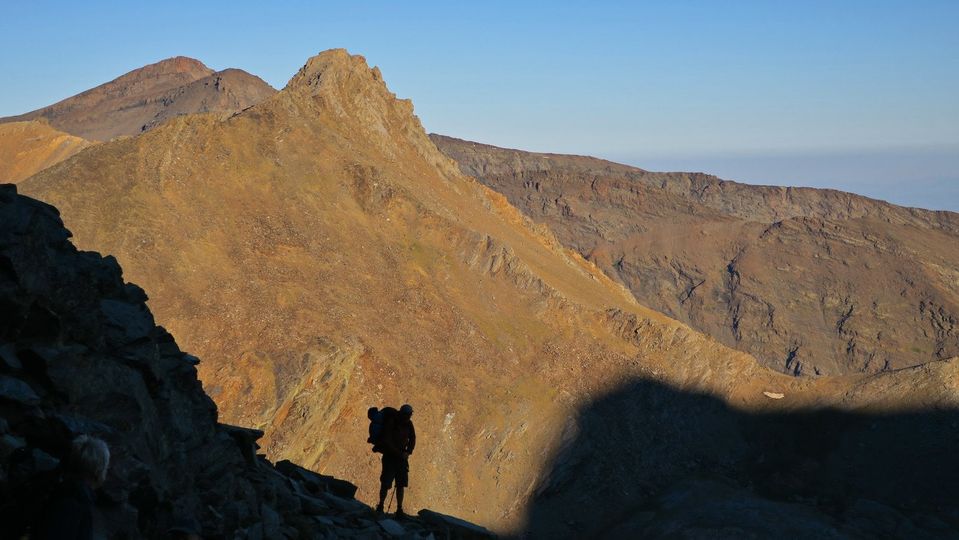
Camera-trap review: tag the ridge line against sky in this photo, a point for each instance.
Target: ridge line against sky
(752, 91)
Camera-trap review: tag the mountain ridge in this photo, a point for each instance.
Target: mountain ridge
(783, 202)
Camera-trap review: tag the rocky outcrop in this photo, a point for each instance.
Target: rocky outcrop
(145, 97)
(80, 354)
(810, 282)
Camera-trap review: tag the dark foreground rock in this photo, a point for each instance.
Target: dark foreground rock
(80, 354)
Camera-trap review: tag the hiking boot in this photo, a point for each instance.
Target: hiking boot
(400, 514)
(379, 508)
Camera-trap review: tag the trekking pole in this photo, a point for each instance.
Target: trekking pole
(390, 505)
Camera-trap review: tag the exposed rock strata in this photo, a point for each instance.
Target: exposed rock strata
(809, 281)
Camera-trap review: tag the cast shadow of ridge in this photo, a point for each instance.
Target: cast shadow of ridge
(649, 461)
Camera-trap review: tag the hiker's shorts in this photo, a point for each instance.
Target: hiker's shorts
(395, 468)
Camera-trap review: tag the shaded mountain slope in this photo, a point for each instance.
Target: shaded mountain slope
(145, 97)
(28, 147)
(809, 281)
(80, 354)
(684, 465)
(322, 256)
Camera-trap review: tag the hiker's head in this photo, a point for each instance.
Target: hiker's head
(406, 411)
(371, 412)
(89, 459)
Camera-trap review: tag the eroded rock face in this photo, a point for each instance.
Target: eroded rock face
(810, 282)
(143, 98)
(81, 355)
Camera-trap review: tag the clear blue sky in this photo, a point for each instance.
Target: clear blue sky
(770, 91)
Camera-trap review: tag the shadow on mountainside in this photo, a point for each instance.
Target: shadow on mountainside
(649, 461)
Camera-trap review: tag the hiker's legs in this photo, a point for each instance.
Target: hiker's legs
(402, 480)
(386, 481)
(384, 490)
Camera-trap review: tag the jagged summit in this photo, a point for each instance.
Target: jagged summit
(345, 85)
(337, 68)
(354, 95)
(329, 61)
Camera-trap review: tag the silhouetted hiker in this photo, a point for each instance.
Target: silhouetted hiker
(396, 441)
(69, 512)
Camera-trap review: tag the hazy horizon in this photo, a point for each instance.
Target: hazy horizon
(914, 177)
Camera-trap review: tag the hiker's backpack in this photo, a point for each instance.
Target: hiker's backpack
(377, 426)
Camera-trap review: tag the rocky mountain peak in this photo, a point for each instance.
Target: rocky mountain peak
(341, 85)
(327, 66)
(346, 85)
